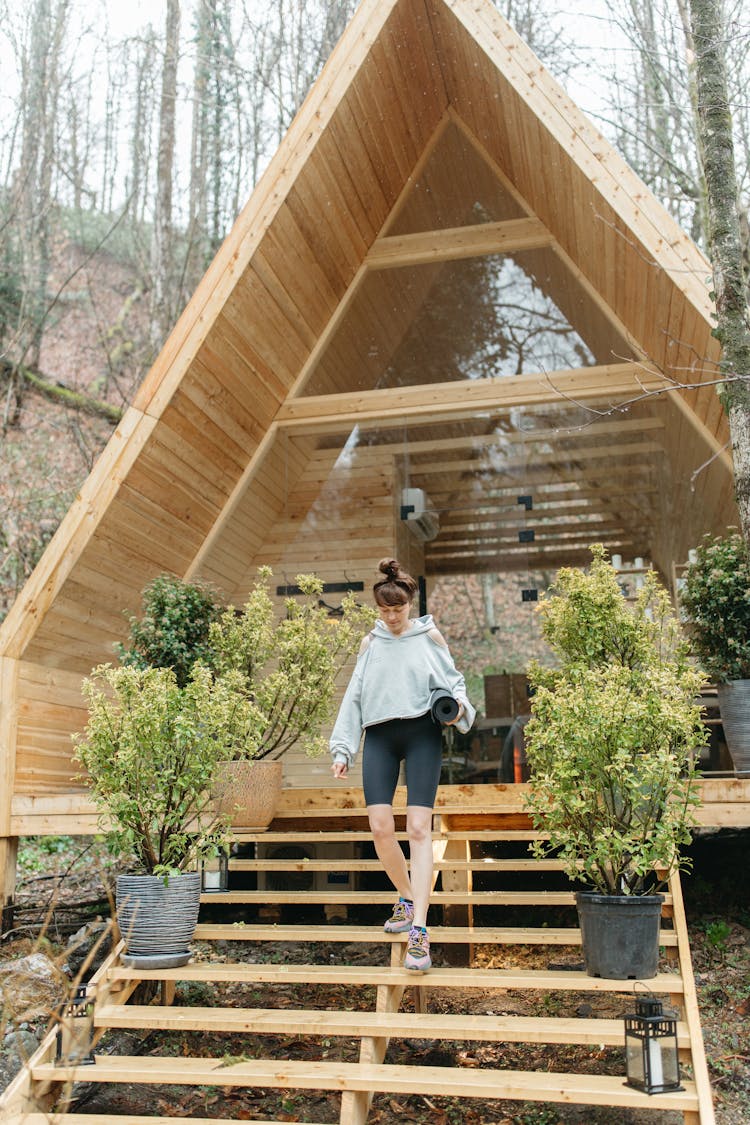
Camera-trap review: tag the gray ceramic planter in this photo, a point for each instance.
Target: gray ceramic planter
(734, 707)
(157, 920)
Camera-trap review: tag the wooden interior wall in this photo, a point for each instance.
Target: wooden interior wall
(51, 708)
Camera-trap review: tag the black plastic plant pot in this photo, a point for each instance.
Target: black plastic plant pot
(620, 934)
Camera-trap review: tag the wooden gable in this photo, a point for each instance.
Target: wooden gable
(434, 143)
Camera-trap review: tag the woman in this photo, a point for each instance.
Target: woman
(401, 662)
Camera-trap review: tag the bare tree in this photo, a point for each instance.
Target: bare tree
(27, 229)
(162, 259)
(724, 235)
(653, 118)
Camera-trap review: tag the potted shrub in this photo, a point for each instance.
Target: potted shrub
(610, 745)
(715, 599)
(151, 749)
(172, 631)
(288, 668)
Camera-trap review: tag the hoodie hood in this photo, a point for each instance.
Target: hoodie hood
(419, 625)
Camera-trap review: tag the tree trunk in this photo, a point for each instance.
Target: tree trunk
(162, 306)
(725, 246)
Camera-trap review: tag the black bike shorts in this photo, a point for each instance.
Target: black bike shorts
(419, 743)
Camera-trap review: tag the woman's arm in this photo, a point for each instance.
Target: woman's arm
(454, 682)
(347, 730)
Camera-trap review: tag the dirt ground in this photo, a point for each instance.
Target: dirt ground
(718, 903)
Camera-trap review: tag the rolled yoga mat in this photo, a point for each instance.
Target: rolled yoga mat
(444, 707)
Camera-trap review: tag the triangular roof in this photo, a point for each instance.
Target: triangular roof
(425, 106)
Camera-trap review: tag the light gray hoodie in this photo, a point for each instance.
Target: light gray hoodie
(393, 679)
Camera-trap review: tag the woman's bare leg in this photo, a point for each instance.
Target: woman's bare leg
(383, 828)
(419, 831)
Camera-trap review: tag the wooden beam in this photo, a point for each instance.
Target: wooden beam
(560, 457)
(557, 532)
(454, 243)
(717, 448)
(8, 739)
(238, 493)
(448, 118)
(464, 398)
(415, 445)
(357, 281)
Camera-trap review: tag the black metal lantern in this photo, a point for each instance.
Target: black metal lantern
(651, 1058)
(215, 873)
(75, 1033)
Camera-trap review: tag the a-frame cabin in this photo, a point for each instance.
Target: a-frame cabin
(446, 280)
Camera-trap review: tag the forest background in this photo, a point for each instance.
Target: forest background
(130, 138)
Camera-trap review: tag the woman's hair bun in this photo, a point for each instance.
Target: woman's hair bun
(396, 587)
(390, 568)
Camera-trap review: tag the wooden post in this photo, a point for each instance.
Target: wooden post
(8, 861)
(8, 728)
(355, 1104)
(458, 915)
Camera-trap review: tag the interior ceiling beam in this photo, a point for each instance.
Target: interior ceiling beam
(505, 497)
(589, 517)
(565, 532)
(472, 559)
(496, 564)
(508, 237)
(506, 507)
(562, 457)
(499, 438)
(465, 397)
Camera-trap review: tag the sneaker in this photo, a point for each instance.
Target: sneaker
(418, 950)
(402, 917)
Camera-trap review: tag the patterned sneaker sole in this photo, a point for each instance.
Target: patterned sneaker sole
(397, 927)
(421, 968)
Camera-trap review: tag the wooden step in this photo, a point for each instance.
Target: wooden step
(130, 1119)
(352, 1025)
(374, 975)
(291, 836)
(369, 898)
(439, 935)
(341, 863)
(582, 1089)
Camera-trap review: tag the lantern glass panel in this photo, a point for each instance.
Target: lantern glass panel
(215, 873)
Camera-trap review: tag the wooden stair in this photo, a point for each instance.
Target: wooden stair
(384, 986)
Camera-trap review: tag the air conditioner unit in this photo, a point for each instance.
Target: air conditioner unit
(418, 514)
(333, 878)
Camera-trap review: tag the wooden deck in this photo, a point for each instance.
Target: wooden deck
(725, 804)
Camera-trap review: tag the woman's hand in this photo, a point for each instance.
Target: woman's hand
(461, 709)
(339, 770)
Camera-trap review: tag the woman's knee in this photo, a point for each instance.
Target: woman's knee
(382, 823)
(419, 824)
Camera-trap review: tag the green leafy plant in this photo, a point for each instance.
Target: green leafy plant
(173, 631)
(151, 750)
(716, 603)
(287, 667)
(612, 734)
(718, 933)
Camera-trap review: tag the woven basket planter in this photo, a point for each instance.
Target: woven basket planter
(249, 793)
(157, 920)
